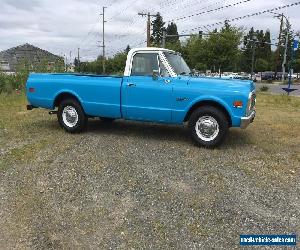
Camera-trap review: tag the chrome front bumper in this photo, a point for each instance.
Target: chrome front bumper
(245, 121)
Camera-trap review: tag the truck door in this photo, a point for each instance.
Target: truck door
(145, 97)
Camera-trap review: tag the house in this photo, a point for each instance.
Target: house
(33, 57)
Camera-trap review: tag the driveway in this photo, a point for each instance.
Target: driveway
(277, 88)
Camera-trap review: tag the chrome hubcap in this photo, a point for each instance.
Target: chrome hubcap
(70, 116)
(207, 128)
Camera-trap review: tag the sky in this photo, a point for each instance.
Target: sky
(63, 26)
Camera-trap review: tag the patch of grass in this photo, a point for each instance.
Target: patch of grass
(23, 154)
(25, 134)
(264, 88)
(278, 102)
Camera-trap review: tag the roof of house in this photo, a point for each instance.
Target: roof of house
(26, 52)
(21, 49)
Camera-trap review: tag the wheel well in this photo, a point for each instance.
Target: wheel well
(208, 103)
(64, 96)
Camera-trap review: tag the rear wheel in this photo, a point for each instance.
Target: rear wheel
(71, 116)
(208, 126)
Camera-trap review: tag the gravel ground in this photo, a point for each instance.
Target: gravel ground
(130, 185)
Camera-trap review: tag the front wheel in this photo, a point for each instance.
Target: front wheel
(208, 126)
(71, 116)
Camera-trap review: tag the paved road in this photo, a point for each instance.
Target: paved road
(277, 89)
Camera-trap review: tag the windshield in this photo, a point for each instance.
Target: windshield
(177, 63)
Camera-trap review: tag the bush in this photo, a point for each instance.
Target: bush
(17, 81)
(264, 88)
(270, 80)
(13, 82)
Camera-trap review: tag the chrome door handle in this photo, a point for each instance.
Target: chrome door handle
(131, 84)
(167, 81)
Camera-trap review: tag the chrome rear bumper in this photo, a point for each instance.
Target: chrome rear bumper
(245, 121)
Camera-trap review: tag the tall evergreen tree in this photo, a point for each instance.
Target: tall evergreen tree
(247, 51)
(172, 30)
(268, 49)
(157, 30)
(263, 53)
(260, 44)
(172, 42)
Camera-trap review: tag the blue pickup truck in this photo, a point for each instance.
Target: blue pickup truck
(157, 86)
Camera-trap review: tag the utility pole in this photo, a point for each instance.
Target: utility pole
(148, 26)
(103, 39)
(278, 47)
(78, 57)
(71, 57)
(66, 62)
(285, 49)
(164, 39)
(253, 59)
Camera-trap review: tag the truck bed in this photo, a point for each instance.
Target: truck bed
(99, 95)
(84, 74)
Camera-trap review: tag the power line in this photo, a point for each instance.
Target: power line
(245, 16)
(166, 3)
(122, 11)
(202, 8)
(130, 25)
(210, 11)
(116, 51)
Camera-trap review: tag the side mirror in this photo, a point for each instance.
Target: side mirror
(155, 74)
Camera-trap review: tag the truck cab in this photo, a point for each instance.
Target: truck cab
(157, 86)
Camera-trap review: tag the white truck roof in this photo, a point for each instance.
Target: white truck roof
(145, 49)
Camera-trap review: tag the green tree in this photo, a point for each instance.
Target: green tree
(114, 65)
(157, 30)
(267, 53)
(261, 65)
(247, 50)
(223, 48)
(196, 54)
(261, 40)
(220, 50)
(172, 43)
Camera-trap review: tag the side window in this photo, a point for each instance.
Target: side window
(143, 64)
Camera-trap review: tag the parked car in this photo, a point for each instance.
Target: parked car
(279, 76)
(268, 75)
(156, 87)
